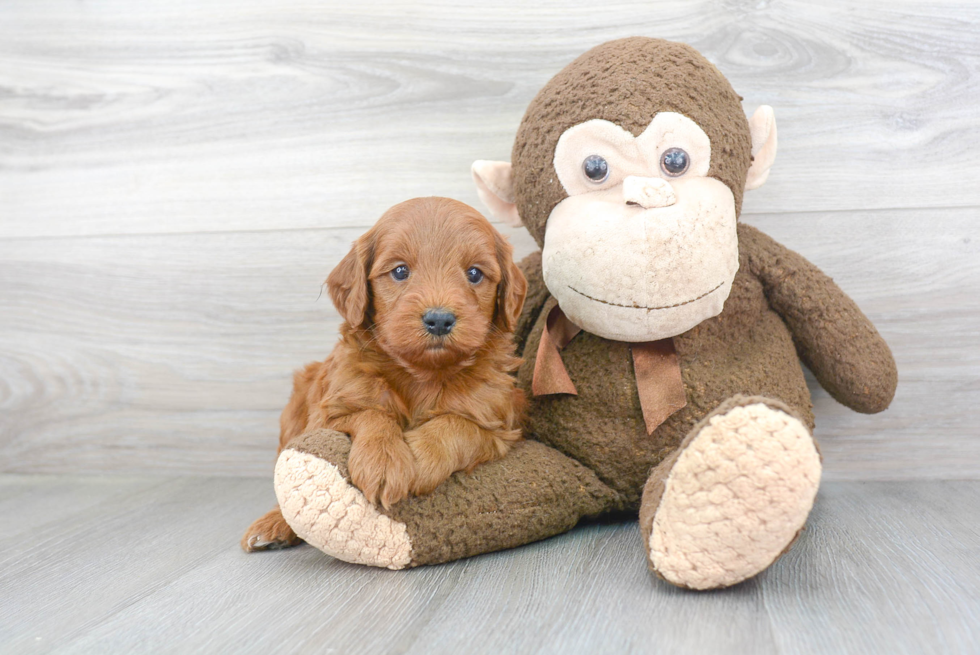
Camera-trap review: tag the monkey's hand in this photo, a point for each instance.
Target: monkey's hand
(833, 337)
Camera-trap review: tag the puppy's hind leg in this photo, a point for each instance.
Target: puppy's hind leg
(271, 532)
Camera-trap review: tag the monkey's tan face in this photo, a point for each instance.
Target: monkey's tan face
(645, 246)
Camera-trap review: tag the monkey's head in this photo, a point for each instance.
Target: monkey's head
(628, 169)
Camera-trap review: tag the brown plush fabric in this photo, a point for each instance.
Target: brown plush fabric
(627, 82)
(833, 336)
(655, 364)
(328, 445)
(537, 293)
(747, 350)
(533, 493)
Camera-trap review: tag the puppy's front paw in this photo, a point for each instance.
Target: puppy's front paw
(383, 469)
(433, 461)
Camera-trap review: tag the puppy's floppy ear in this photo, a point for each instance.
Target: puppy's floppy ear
(512, 288)
(348, 282)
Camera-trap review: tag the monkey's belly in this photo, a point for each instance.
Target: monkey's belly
(602, 427)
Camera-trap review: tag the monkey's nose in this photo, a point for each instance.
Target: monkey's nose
(438, 322)
(648, 192)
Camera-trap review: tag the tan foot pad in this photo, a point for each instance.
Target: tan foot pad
(735, 499)
(328, 512)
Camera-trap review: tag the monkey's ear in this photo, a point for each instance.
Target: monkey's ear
(348, 283)
(495, 186)
(762, 125)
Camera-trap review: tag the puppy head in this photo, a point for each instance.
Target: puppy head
(431, 279)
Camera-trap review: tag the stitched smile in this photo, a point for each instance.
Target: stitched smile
(634, 306)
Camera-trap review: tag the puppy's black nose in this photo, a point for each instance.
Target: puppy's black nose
(438, 322)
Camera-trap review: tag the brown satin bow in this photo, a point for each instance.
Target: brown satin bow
(658, 373)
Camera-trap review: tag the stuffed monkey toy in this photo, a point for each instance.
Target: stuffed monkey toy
(661, 342)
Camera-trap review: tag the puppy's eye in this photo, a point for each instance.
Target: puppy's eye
(674, 162)
(473, 274)
(596, 168)
(400, 273)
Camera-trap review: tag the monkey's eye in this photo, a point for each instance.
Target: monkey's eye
(400, 272)
(675, 162)
(473, 274)
(596, 168)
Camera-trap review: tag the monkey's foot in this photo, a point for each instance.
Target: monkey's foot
(326, 510)
(733, 498)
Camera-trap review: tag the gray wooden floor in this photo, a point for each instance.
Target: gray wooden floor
(177, 178)
(151, 565)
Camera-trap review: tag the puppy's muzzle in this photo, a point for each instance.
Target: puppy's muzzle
(438, 322)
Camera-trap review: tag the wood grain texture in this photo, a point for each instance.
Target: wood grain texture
(232, 115)
(73, 572)
(910, 560)
(177, 178)
(881, 568)
(173, 353)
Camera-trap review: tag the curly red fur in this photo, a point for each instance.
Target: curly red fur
(417, 407)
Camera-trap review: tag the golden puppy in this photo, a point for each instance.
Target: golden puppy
(420, 378)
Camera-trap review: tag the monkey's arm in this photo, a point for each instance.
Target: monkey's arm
(537, 294)
(832, 336)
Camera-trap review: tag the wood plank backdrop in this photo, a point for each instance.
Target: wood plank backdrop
(177, 178)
